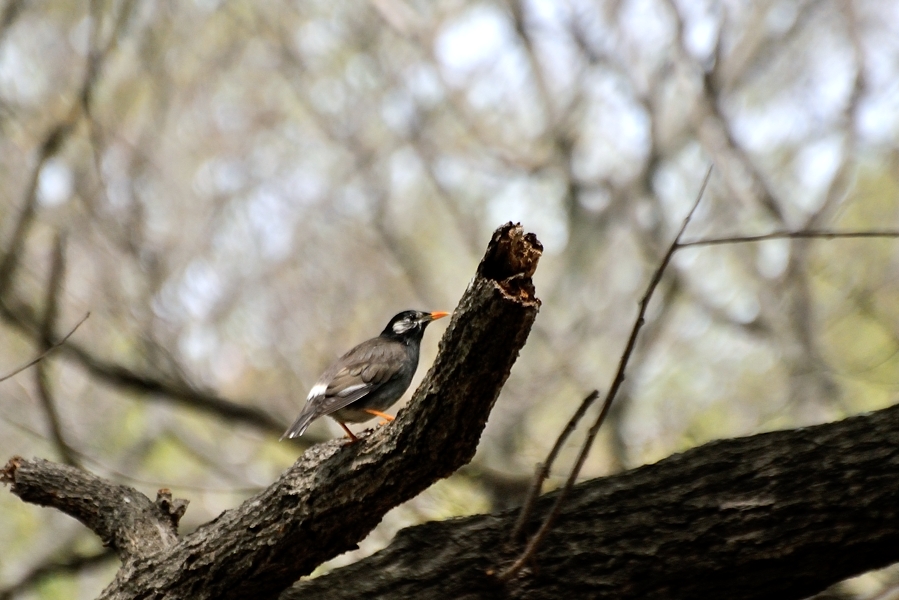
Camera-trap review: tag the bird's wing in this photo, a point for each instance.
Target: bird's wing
(356, 374)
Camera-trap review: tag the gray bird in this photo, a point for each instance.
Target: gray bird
(368, 379)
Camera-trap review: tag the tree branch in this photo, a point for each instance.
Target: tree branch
(122, 517)
(23, 318)
(535, 541)
(44, 354)
(777, 515)
(781, 235)
(543, 469)
(336, 493)
(48, 326)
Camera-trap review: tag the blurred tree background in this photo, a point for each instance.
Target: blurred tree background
(238, 192)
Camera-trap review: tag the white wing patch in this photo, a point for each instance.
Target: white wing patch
(348, 391)
(318, 389)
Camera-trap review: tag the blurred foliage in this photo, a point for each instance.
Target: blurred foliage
(247, 189)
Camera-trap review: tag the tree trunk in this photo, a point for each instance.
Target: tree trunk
(336, 493)
(779, 515)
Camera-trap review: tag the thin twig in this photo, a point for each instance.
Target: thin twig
(780, 235)
(535, 541)
(49, 146)
(53, 141)
(163, 389)
(41, 375)
(118, 476)
(716, 133)
(44, 354)
(545, 467)
(67, 454)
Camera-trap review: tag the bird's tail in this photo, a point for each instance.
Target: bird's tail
(299, 426)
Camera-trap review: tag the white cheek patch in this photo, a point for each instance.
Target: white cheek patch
(318, 389)
(401, 327)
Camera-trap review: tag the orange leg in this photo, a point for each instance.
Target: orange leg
(353, 438)
(387, 418)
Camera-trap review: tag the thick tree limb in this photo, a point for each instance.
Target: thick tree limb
(337, 492)
(122, 517)
(779, 515)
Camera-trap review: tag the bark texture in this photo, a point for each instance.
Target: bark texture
(779, 515)
(125, 519)
(336, 492)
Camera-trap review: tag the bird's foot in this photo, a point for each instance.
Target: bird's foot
(387, 418)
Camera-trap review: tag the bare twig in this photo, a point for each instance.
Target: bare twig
(716, 132)
(54, 424)
(701, 524)
(118, 476)
(544, 95)
(544, 468)
(44, 354)
(535, 541)
(780, 235)
(842, 178)
(42, 378)
(54, 140)
(465, 380)
(162, 389)
(50, 145)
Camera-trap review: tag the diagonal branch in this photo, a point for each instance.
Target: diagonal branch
(336, 493)
(23, 318)
(46, 352)
(810, 234)
(122, 517)
(51, 144)
(42, 379)
(544, 468)
(617, 381)
(716, 133)
(12, 254)
(779, 515)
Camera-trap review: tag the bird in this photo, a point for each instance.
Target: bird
(367, 380)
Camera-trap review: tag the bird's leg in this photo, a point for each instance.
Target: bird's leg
(353, 438)
(387, 418)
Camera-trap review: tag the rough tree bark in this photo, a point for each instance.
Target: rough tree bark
(779, 515)
(336, 492)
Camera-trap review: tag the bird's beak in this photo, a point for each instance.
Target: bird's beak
(436, 315)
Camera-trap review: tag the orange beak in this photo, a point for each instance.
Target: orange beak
(438, 315)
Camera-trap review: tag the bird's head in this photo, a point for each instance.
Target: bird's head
(410, 324)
